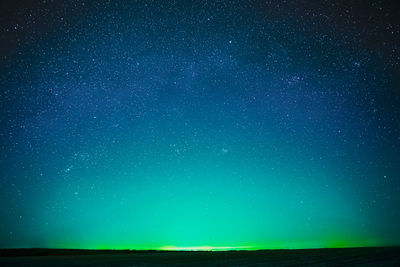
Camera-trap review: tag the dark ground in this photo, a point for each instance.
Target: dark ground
(388, 256)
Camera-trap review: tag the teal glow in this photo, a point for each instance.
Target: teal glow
(197, 125)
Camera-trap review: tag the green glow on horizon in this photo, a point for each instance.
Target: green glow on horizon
(225, 128)
(276, 245)
(185, 211)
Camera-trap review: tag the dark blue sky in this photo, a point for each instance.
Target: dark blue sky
(153, 124)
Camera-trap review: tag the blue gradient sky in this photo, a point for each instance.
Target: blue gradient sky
(161, 124)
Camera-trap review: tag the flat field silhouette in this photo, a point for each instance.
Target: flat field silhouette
(371, 256)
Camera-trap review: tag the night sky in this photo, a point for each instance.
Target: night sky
(199, 124)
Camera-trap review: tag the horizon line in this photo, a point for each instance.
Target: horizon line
(199, 248)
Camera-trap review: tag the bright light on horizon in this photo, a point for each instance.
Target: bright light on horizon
(205, 248)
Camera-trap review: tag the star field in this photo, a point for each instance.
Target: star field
(231, 124)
